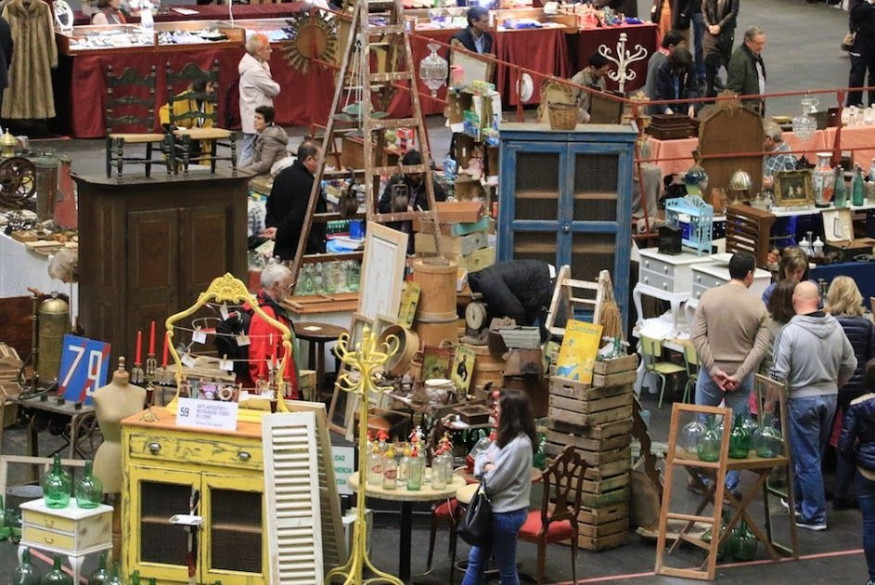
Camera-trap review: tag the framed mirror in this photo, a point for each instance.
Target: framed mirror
(63, 16)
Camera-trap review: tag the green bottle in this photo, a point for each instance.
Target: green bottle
(708, 447)
(840, 192)
(57, 486)
(89, 489)
(26, 573)
(858, 189)
(739, 440)
(101, 575)
(115, 577)
(56, 576)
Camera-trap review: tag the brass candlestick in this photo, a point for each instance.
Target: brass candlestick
(151, 370)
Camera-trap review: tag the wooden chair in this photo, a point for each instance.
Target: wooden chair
(130, 106)
(197, 113)
(691, 360)
(556, 521)
(651, 351)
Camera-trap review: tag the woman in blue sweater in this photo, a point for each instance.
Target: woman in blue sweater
(506, 471)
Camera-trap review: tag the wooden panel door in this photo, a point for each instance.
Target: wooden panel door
(206, 249)
(153, 268)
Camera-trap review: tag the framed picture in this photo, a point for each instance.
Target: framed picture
(603, 109)
(473, 68)
(793, 188)
(382, 276)
(436, 362)
(356, 329)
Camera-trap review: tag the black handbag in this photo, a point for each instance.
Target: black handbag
(475, 528)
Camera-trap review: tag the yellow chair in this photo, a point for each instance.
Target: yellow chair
(651, 349)
(691, 359)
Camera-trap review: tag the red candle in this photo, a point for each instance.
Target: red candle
(139, 347)
(152, 339)
(164, 358)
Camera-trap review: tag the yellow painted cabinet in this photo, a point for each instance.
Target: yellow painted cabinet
(164, 467)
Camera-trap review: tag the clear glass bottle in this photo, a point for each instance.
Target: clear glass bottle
(769, 442)
(691, 434)
(823, 180)
(102, 575)
(415, 471)
(353, 276)
(739, 440)
(858, 188)
(329, 283)
(56, 576)
(305, 284)
(708, 447)
(57, 485)
(839, 190)
(439, 477)
(375, 467)
(89, 489)
(390, 470)
(26, 572)
(404, 465)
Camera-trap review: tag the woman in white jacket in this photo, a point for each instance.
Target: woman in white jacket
(257, 88)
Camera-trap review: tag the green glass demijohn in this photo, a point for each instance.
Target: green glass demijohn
(26, 573)
(743, 543)
(57, 485)
(57, 576)
(101, 575)
(691, 434)
(724, 547)
(708, 447)
(739, 440)
(89, 489)
(768, 441)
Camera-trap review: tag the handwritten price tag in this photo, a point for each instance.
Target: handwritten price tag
(206, 414)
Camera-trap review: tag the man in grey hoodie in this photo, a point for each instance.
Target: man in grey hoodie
(814, 357)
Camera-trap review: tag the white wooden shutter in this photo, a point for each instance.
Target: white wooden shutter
(291, 491)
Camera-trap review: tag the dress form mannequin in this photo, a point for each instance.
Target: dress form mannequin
(117, 400)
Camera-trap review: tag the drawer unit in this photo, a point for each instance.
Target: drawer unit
(707, 276)
(171, 446)
(656, 280)
(669, 273)
(70, 530)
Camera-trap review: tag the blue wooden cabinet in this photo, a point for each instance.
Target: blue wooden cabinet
(565, 197)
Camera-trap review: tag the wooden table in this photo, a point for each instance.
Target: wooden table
(406, 498)
(81, 424)
(317, 335)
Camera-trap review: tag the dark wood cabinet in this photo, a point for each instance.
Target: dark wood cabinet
(148, 247)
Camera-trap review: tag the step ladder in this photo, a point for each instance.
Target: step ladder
(377, 63)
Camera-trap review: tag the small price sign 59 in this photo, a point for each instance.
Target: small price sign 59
(84, 367)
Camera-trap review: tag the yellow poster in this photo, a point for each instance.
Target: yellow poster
(578, 351)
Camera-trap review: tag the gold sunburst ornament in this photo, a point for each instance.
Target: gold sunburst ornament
(313, 36)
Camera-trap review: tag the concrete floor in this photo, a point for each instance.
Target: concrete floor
(802, 54)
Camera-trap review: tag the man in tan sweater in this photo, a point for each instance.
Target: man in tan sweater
(731, 337)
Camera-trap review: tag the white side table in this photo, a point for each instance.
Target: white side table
(665, 277)
(71, 531)
(707, 276)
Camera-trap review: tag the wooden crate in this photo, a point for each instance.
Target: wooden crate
(575, 390)
(609, 469)
(597, 543)
(620, 495)
(605, 515)
(587, 444)
(615, 372)
(617, 379)
(602, 431)
(603, 530)
(593, 458)
(591, 406)
(586, 420)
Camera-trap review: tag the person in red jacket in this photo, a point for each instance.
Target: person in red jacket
(276, 283)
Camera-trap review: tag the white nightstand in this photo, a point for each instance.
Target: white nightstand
(71, 531)
(665, 277)
(707, 276)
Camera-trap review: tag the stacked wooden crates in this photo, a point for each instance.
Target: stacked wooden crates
(597, 419)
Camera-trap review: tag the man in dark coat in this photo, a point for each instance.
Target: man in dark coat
(287, 205)
(6, 46)
(476, 37)
(747, 72)
(720, 21)
(417, 198)
(519, 289)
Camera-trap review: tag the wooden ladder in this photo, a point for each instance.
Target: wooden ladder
(378, 39)
(568, 298)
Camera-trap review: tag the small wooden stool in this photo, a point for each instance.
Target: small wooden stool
(317, 335)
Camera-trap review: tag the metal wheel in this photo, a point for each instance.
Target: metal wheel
(17, 181)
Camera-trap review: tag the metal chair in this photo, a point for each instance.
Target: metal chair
(130, 119)
(691, 361)
(556, 521)
(448, 512)
(195, 113)
(651, 350)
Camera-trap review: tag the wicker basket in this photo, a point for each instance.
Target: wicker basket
(562, 116)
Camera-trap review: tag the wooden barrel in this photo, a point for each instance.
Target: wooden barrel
(432, 332)
(487, 368)
(437, 280)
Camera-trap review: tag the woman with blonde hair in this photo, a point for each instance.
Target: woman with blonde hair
(845, 303)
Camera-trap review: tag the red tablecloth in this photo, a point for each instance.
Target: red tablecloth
(541, 50)
(589, 40)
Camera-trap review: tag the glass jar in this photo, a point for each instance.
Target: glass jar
(739, 440)
(353, 276)
(89, 489)
(57, 576)
(708, 447)
(769, 442)
(691, 434)
(743, 543)
(57, 485)
(305, 284)
(822, 180)
(26, 572)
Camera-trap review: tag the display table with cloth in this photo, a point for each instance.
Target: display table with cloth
(858, 139)
(23, 268)
(863, 274)
(406, 499)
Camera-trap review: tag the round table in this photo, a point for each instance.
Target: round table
(406, 498)
(317, 335)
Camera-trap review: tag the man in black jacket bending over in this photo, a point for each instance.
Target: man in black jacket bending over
(287, 205)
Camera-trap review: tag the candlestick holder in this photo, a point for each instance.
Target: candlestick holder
(365, 361)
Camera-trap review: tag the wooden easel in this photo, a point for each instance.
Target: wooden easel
(568, 297)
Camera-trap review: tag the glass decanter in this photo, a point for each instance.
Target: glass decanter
(708, 446)
(89, 489)
(57, 485)
(769, 442)
(57, 576)
(739, 440)
(26, 572)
